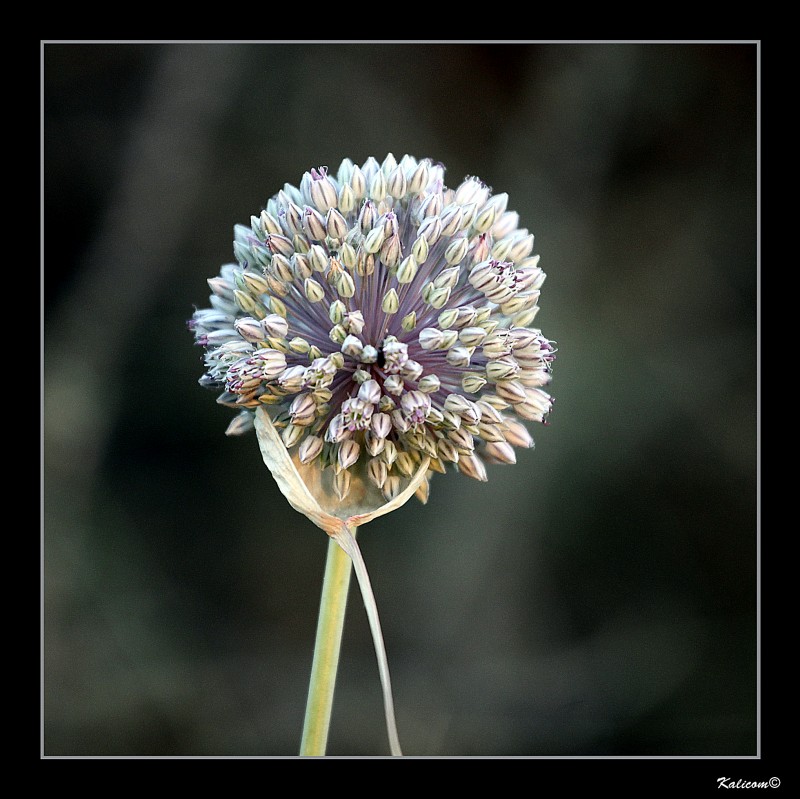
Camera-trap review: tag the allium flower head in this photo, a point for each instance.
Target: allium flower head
(381, 322)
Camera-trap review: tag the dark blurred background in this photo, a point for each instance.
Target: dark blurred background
(598, 598)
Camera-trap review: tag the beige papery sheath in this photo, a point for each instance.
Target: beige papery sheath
(309, 490)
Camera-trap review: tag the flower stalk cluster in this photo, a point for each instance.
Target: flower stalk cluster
(382, 319)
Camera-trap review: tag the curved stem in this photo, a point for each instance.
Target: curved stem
(347, 541)
(326, 650)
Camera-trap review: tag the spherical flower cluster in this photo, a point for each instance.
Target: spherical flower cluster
(382, 319)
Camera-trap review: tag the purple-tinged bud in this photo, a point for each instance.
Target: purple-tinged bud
(310, 449)
(381, 425)
(500, 452)
(472, 466)
(377, 471)
(348, 453)
(314, 224)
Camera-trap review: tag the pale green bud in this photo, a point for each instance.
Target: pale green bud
(448, 317)
(281, 267)
(456, 251)
(352, 346)
(397, 185)
(336, 311)
(254, 283)
(348, 255)
(430, 206)
(291, 434)
(278, 344)
(472, 336)
(337, 334)
(519, 303)
(347, 199)
(472, 383)
(439, 297)
(525, 318)
(300, 243)
(369, 354)
(367, 216)
(485, 219)
(447, 278)
(430, 230)
(389, 164)
(374, 239)
(458, 355)
(249, 329)
(269, 224)
(429, 384)
(318, 258)
(389, 454)
(391, 302)
(275, 325)
(404, 464)
(345, 285)
(419, 177)
(451, 219)
(409, 322)
(411, 370)
(277, 307)
(244, 253)
(301, 268)
(299, 345)
(407, 270)
(468, 214)
(335, 224)
(431, 338)
(387, 404)
(391, 252)
(244, 300)
(358, 183)
(313, 291)
(378, 187)
(507, 223)
(314, 224)
(420, 250)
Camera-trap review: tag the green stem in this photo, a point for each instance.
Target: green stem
(338, 569)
